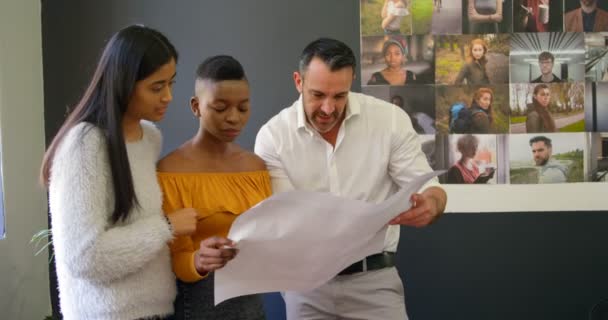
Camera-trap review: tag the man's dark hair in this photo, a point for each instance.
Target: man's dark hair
(220, 68)
(544, 139)
(334, 53)
(546, 56)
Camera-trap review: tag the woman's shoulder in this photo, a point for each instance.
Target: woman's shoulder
(83, 146)
(81, 137)
(151, 131)
(183, 158)
(478, 111)
(481, 122)
(377, 78)
(465, 69)
(454, 169)
(532, 117)
(471, 64)
(480, 116)
(85, 130)
(251, 161)
(173, 161)
(454, 174)
(531, 110)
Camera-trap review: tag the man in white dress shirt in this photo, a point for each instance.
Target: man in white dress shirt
(356, 146)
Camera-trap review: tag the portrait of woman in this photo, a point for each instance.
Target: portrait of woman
(548, 107)
(474, 71)
(481, 110)
(466, 170)
(477, 60)
(395, 56)
(538, 118)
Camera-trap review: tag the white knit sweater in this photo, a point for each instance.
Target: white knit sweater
(107, 271)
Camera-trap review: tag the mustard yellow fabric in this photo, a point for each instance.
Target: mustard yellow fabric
(218, 199)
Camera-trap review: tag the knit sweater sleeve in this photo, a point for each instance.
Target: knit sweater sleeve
(81, 201)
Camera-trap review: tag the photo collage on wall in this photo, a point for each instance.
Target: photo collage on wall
(499, 91)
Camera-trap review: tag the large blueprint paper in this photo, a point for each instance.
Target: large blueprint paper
(297, 241)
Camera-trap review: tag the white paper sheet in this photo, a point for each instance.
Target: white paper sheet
(297, 241)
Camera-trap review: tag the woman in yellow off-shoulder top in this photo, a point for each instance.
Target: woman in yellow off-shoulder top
(220, 180)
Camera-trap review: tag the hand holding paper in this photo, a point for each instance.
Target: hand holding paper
(213, 254)
(426, 208)
(299, 240)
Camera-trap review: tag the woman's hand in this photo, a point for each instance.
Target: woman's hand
(213, 254)
(183, 221)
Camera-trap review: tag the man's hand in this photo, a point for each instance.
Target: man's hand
(213, 254)
(426, 208)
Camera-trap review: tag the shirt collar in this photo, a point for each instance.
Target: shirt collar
(301, 117)
(352, 108)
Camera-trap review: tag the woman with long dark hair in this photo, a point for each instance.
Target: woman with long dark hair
(109, 231)
(538, 115)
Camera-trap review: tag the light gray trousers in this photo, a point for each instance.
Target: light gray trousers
(370, 295)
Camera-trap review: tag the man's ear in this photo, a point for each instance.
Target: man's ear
(298, 79)
(195, 106)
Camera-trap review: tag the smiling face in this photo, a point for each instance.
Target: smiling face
(485, 100)
(223, 107)
(152, 95)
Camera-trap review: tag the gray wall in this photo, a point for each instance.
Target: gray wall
(24, 284)
(467, 266)
(265, 36)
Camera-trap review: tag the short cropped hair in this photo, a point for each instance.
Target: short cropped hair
(546, 56)
(466, 141)
(220, 68)
(544, 139)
